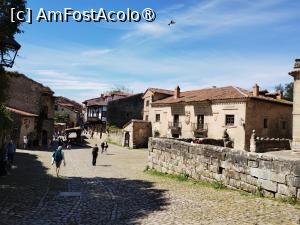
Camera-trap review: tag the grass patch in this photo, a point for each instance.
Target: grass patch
(290, 200)
(180, 177)
(218, 185)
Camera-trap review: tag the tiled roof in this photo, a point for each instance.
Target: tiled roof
(162, 91)
(95, 101)
(209, 94)
(21, 112)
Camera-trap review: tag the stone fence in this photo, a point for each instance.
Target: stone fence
(115, 136)
(261, 145)
(248, 171)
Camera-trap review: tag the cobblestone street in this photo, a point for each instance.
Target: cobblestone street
(116, 191)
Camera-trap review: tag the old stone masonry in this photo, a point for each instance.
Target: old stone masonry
(274, 176)
(117, 191)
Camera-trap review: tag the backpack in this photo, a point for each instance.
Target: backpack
(57, 156)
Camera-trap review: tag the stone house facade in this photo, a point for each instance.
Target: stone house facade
(32, 107)
(208, 112)
(95, 109)
(69, 107)
(152, 95)
(121, 111)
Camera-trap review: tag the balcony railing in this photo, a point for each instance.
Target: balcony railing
(174, 125)
(200, 129)
(199, 126)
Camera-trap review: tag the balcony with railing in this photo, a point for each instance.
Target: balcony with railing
(175, 127)
(200, 129)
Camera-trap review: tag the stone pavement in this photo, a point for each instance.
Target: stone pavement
(116, 191)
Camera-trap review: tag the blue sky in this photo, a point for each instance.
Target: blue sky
(214, 42)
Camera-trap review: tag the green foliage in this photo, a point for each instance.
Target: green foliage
(218, 185)
(290, 200)
(287, 90)
(3, 85)
(120, 88)
(5, 119)
(9, 29)
(61, 117)
(259, 192)
(180, 177)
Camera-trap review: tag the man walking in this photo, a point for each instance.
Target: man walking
(10, 152)
(95, 154)
(102, 147)
(58, 157)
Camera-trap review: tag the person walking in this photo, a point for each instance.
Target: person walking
(105, 146)
(69, 145)
(57, 157)
(102, 147)
(25, 142)
(10, 152)
(95, 154)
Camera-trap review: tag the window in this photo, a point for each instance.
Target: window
(265, 123)
(56, 107)
(200, 121)
(176, 119)
(283, 125)
(147, 103)
(147, 118)
(157, 118)
(229, 120)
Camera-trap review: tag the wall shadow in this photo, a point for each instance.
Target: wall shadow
(31, 196)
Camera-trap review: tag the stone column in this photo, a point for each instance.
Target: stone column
(296, 107)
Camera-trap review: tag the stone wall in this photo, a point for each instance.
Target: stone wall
(116, 136)
(251, 172)
(261, 145)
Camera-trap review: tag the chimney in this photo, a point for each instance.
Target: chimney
(177, 92)
(279, 95)
(255, 90)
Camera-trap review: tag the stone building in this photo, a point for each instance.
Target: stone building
(32, 107)
(121, 111)
(136, 134)
(152, 95)
(95, 109)
(208, 112)
(70, 108)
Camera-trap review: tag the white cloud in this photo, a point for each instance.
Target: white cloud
(96, 52)
(212, 17)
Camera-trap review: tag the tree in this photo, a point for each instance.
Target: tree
(7, 31)
(287, 90)
(8, 28)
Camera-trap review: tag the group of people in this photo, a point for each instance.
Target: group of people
(104, 147)
(58, 156)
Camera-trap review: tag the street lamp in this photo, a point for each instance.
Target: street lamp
(9, 48)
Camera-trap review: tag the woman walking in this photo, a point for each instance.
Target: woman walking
(58, 157)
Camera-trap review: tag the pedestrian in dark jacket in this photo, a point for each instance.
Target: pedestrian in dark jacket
(102, 147)
(10, 152)
(105, 147)
(95, 154)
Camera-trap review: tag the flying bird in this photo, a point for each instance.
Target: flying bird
(171, 22)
